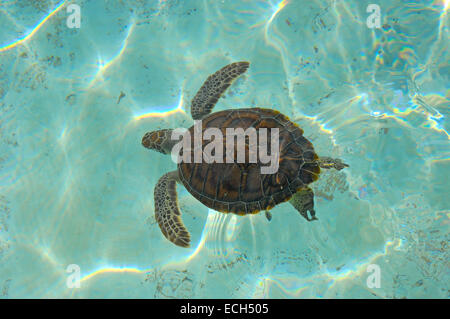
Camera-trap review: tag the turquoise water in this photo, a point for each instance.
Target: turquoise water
(76, 185)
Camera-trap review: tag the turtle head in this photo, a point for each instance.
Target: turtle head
(159, 141)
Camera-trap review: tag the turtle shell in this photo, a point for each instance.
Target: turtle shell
(242, 188)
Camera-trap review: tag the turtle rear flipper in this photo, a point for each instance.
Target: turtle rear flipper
(303, 201)
(214, 86)
(167, 212)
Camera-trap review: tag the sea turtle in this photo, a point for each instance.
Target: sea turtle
(236, 187)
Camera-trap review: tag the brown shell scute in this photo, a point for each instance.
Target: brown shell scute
(241, 188)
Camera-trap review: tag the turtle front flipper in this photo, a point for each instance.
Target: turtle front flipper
(214, 86)
(167, 212)
(328, 162)
(303, 201)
